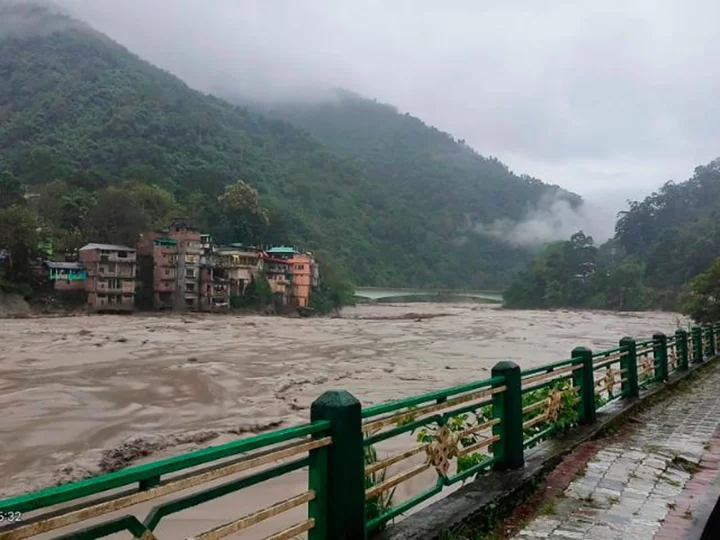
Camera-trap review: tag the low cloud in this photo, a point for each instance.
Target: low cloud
(24, 20)
(552, 220)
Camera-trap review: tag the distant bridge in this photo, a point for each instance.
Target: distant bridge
(380, 294)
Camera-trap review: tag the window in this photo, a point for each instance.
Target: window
(167, 272)
(190, 272)
(122, 254)
(299, 267)
(190, 287)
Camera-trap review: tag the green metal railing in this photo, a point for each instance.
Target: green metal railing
(355, 459)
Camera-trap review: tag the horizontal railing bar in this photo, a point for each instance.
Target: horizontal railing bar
(620, 349)
(427, 409)
(547, 367)
(292, 532)
(534, 406)
(468, 408)
(395, 480)
(379, 437)
(535, 438)
(91, 486)
(479, 445)
(403, 507)
(385, 463)
(63, 518)
(392, 406)
(171, 507)
(536, 420)
(256, 517)
(480, 427)
(552, 374)
(546, 384)
(467, 473)
(125, 523)
(606, 363)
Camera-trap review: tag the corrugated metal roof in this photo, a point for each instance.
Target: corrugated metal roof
(282, 249)
(64, 265)
(107, 247)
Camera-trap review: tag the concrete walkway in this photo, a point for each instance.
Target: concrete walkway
(649, 483)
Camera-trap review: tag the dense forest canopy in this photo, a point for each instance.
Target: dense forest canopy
(111, 144)
(661, 245)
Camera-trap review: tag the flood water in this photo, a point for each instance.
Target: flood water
(83, 395)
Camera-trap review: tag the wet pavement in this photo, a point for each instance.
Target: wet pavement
(648, 484)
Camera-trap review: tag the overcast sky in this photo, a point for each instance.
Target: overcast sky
(597, 96)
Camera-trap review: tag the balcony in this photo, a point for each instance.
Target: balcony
(116, 286)
(119, 257)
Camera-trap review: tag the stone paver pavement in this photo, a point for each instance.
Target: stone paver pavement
(631, 485)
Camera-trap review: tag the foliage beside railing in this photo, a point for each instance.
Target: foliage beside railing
(447, 437)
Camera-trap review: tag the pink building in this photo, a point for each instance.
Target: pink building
(110, 282)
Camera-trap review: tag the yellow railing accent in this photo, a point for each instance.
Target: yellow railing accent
(256, 517)
(75, 516)
(413, 414)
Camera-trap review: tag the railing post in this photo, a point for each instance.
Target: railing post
(340, 512)
(507, 407)
(711, 340)
(697, 341)
(681, 349)
(661, 356)
(628, 362)
(585, 379)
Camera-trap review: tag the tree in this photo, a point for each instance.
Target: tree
(158, 204)
(562, 275)
(334, 290)
(19, 235)
(12, 190)
(703, 304)
(245, 215)
(117, 218)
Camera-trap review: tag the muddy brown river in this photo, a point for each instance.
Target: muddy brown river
(83, 395)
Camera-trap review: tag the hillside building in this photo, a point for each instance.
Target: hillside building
(110, 283)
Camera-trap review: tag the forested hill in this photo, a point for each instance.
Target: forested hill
(661, 245)
(397, 201)
(417, 165)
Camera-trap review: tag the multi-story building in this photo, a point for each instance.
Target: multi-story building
(303, 270)
(214, 284)
(110, 282)
(188, 265)
(170, 266)
(157, 263)
(277, 272)
(241, 264)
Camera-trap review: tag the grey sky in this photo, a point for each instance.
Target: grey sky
(611, 97)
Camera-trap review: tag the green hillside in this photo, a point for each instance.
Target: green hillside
(397, 201)
(661, 244)
(443, 191)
